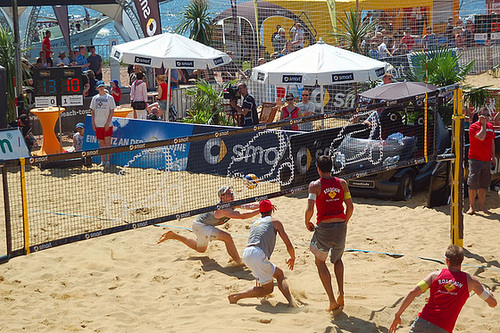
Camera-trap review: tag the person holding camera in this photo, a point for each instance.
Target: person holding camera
(248, 109)
(481, 159)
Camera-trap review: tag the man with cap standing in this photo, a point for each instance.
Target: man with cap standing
(102, 107)
(204, 226)
(258, 252)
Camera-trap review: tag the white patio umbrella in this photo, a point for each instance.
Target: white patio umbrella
(319, 64)
(171, 50)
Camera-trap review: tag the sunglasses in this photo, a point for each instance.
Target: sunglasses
(289, 99)
(305, 94)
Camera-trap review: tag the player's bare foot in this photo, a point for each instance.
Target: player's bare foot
(333, 306)
(233, 299)
(470, 211)
(484, 210)
(335, 310)
(340, 300)
(168, 235)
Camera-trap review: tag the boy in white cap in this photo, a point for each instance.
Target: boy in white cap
(204, 226)
(258, 252)
(102, 106)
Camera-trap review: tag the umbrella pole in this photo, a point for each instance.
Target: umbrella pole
(322, 106)
(167, 111)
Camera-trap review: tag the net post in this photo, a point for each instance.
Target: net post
(426, 128)
(8, 228)
(457, 192)
(26, 230)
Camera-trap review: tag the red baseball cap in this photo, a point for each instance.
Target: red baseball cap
(265, 206)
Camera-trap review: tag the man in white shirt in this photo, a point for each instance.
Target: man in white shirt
(382, 48)
(61, 59)
(307, 108)
(102, 106)
(298, 38)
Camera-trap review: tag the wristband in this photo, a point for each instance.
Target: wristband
(311, 196)
(423, 285)
(484, 295)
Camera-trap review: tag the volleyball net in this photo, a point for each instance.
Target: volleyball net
(58, 199)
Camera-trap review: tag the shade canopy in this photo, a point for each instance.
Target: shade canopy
(320, 64)
(393, 91)
(170, 50)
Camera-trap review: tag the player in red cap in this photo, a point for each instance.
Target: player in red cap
(256, 256)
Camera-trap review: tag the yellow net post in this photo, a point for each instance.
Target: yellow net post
(457, 188)
(333, 14)
(25, 206)
(426, 142)
(257, 27)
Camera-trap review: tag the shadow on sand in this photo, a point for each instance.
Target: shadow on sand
(240, 272)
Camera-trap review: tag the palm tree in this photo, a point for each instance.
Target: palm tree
(207, 105)
(196, 19)
(7, 60)
(440, 67)
(354, 30)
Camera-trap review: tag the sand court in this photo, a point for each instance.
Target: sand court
(127, 282)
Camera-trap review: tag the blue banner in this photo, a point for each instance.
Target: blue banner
(127, 131)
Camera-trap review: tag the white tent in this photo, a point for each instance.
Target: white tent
(320, 64)
(170, 50)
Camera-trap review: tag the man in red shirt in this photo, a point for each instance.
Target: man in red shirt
(450, 289)
(329, 194)
(46, 48)
(408, 40)
(481, 157)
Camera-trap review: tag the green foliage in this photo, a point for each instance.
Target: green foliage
(7, 60)
(207, 106)
(440, 67)
(477, 97)
(196, 19)
(353, 30)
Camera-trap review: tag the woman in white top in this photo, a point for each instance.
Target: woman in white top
(139, 97)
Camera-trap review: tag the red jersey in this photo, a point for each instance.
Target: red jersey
(46, 43)
(164, 89)
(480, 150)
(449, 292)
(293, 115)
(330, 202)
(117, 97)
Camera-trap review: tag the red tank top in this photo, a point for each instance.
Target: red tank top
(164, 89)
(330, 202)
(449, 292)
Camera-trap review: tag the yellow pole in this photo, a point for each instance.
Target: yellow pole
(457, 227)
(25, 207)
(426, 152)
(257, 27)
(332, 9)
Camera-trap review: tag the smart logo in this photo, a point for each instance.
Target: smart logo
(343, 77)
(142, 60)
(291, 79)
(218, 61)
(184, 63)
(214, 151)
